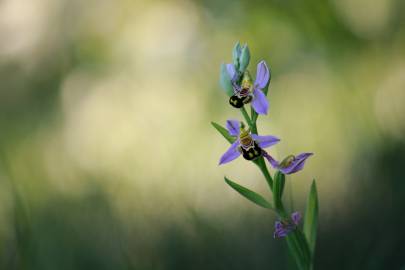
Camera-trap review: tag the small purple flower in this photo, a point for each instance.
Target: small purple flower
(283, 227)
(290, 164)
(247, 144)
(248, 91)
(296, 218)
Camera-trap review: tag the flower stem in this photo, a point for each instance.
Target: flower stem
(260, 161)
(263, 168)
(297, 244)
(248, 120)
(254, 115)
(296, 241)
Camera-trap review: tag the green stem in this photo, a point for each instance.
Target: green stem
(263, 168)
(247, 118)
(296, 241)
(290, 193)
(260, 161)
(295, 252)
(254, 115)
(304, 246)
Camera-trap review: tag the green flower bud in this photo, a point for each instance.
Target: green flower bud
(236, 54)
(244, 58)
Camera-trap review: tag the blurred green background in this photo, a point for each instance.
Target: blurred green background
(108, 160)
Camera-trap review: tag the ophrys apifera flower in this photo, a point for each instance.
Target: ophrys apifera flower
(290, 164)
(250, 146)
(283, 227)
(247, 91)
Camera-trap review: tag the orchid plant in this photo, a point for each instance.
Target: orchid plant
(245, 140)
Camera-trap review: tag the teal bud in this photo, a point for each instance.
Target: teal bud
(236, 55)
(244, 58)
(225, 80)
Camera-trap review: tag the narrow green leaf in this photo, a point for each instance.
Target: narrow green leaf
(249, 194)
(254, 115)
(225, 80)
(303, 243)
(278, 188)
(295, 252)
(311, 217)
(299, 249)
(224, 132)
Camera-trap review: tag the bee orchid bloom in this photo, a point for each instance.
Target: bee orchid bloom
(290, 164)
(247, 144)
(284, 227)
(248, 91)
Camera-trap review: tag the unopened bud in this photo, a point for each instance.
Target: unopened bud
(244, 58)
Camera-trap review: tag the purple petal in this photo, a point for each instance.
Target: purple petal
(296, 217)
(260, 103)
(231, 70)
(265, 141)
(236, 87)
(271, 160)
(304, 156)
(282, 230)
(279, 230)
(280, 233)
(297, 164)
(230, 154)
(262, 75)
(233, 127)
